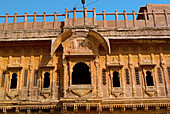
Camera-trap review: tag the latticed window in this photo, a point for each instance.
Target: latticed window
(3, 79)
(137, 76)
(127, 76)
(169, 72)
(25, 78)
(35, 77)
(104, 77)
(58, 77)
(159, 75)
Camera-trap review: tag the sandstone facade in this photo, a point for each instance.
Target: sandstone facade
(86, 64)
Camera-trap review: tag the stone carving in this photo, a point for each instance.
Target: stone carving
(146, 61)
(16, 61)
(81, 46)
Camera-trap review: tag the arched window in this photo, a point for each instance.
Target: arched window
(14, 81)
(81, 74)
(149, 79)
(116, 81)
(46, 80)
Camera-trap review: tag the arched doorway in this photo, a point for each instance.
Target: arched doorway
(81, 74)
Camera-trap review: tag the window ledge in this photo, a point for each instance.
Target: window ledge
(151, 91)
(116, 91)
(81, 90)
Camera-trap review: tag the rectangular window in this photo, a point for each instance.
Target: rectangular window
(137, 76)
(25, 78)
(35, 77)
(3, 79)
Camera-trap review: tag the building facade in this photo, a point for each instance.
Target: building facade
(86, 64)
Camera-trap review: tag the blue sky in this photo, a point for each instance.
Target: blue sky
(50, 6)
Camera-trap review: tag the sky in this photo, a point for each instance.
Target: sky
(50, 6)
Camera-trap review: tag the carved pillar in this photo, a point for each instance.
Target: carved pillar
(154, 73)
(65, 76)
(165, 73)
(122, 76)
(51, 83)
(132, 76)
(98, 78)
(30, 77)
(30, 83)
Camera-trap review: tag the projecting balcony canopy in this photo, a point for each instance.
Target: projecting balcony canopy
(67, 34)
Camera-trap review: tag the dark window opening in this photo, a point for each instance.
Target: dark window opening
(14, 81)
(116, 81)
(47, 80)
(81, 74)
(149, 79)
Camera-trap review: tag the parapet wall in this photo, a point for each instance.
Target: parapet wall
(148, 16)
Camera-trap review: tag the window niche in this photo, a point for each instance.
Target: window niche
(46, 80)
(116, 84)
(13, 81)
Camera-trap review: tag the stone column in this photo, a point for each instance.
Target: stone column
(98, 78)
(65, 76)
(30, 78)
(122, 77)
(165, 73)
(132, 76)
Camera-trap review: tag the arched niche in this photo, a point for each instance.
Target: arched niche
(87, 39)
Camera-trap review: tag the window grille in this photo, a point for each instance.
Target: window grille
(169, 72)
(159, 75)
(3, 79)
(104, 77)
(127, 76)
(35, 77)
(137, 76)
(58, 77)
(25, 78)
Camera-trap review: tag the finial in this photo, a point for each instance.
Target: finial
(83, 2)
